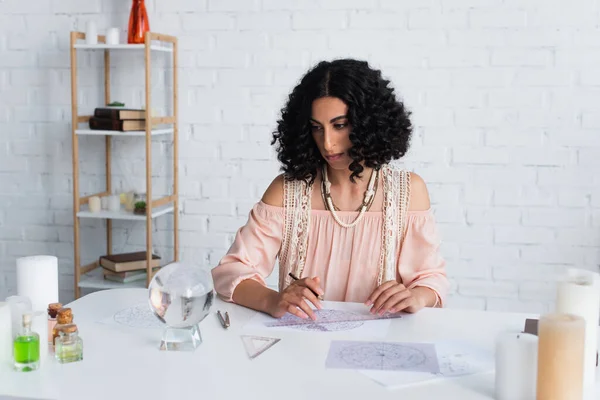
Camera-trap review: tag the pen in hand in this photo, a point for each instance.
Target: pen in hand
(294, 277)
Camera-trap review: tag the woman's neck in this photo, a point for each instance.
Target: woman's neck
(341, 178)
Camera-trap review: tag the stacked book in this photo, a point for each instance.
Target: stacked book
(118, 119)
(127, 267)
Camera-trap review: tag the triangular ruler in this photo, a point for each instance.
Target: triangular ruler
(256, 345)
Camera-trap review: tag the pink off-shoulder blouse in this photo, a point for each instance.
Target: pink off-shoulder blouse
(346, 260)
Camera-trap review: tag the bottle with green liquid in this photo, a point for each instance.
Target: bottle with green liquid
(27, 347)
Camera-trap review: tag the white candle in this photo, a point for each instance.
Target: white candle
(95, 204)
(5, 334)
(516, 366)
(91, 33)
(112, 36)
(37, 278)
(114, 203)
(579, 294)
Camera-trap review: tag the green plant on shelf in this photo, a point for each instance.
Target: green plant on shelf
(116, 104)
(139, 207)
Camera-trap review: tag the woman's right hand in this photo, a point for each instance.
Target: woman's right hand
(293, 299)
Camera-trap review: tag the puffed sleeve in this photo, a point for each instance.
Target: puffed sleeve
(253, 252)
(420, 262)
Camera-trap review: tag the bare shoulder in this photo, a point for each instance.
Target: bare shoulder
(274, 194)
(419, 195)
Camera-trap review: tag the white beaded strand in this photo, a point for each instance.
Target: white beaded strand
(369, 193)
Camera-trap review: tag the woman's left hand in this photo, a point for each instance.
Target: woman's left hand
(393, 297)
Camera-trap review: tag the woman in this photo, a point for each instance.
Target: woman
(343, 222)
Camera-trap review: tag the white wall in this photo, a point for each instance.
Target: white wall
(504, 96)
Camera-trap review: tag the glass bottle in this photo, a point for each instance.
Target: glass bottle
(26, 349)
(69, 346)
(138, 22)
(64, 317)
(52, 313)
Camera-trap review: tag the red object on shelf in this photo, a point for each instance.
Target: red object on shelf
(138, 23)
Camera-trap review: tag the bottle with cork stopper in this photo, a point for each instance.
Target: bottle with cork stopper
(26, 346)
(69, 346)
(52, 313)
(63, 317)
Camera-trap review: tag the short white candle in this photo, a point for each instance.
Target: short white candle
(516, 366)
(112, 36)
(95, 204)
(114, 203)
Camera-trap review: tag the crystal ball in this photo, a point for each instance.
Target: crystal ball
(180, 294)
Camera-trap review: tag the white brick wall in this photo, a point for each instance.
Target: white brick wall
(503, 95)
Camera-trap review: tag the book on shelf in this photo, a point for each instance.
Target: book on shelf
(107, 124)
(127, 276)
(124, 262)
(119, 113)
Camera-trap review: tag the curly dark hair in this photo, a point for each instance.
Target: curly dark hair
(381, 126)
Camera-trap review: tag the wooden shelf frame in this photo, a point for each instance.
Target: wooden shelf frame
(167, 204)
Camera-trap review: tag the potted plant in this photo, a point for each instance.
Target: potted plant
(139, 207)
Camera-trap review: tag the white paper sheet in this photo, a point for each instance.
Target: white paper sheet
(455, 359)
(349, 315)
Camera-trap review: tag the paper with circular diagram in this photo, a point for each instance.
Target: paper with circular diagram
(383, 356)
(139, 316)
(455, 359)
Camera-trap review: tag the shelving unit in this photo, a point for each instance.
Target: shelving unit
(90, 276)
(154, 132)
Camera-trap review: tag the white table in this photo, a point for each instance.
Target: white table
(126, 363)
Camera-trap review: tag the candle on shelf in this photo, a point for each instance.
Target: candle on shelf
(6, 339)
(95, 204)
(579, 294)
(91, 33)
(560, 357)
(112, 36)
(516, 366)
(114, 203)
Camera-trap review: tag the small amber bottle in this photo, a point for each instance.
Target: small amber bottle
(63, 317)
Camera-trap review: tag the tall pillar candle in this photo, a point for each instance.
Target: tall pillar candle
(579, 294)
(516, 366)
(37, 278)
(6, 339)
(560, 357)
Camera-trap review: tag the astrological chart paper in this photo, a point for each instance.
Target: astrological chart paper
(383, 356)
(455, 358)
